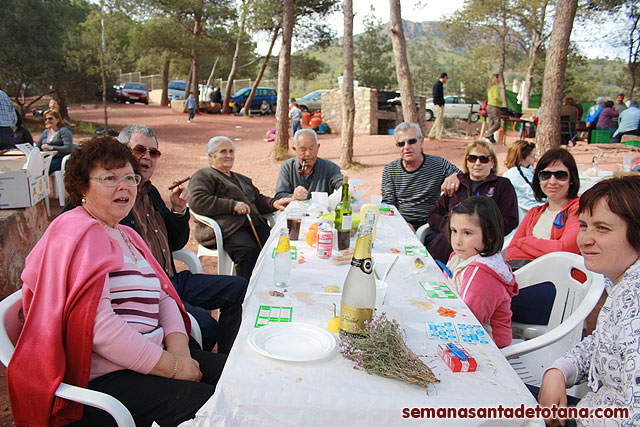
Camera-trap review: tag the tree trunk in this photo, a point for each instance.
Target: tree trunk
(528, 80)
(348, 104)
(189, 83)
(164, 100)
(213, 71)
(197, 29)
(281, 146)
(234, 66)
(256, 83)
(632, 77)
(548, 135)
(503, 55)
(102, 72)
(403, 73)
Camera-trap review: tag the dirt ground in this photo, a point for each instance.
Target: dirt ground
(183, 152)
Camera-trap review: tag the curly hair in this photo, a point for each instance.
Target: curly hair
(100, 151)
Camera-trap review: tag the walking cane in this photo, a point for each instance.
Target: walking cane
(254, 231)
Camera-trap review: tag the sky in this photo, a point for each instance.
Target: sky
(590, 41)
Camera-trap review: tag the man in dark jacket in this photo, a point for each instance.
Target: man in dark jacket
(438, 105)
(167, 230)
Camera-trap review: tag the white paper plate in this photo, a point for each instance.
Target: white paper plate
(296, 342)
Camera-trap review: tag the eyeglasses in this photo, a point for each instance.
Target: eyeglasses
(46, 119)
(472, 158)
(110, 180)
(408, 141)
(140, 150)
(546, 175)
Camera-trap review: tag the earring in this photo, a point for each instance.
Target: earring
(84, 199)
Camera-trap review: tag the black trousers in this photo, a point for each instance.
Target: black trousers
(243, 248)
(6, 138)
(202, 292)
(149, 398)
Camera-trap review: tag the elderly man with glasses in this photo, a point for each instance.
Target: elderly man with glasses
(413, 182)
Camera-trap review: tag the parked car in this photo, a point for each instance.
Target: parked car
(311, 101)
(456, 107)
(133, 92)
(262, 93)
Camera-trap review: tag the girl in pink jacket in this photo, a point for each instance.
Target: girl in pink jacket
(480, 276)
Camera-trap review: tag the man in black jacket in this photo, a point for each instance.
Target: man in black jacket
(167, 230)
(438, 105)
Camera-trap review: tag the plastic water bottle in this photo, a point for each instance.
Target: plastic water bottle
(282, 261)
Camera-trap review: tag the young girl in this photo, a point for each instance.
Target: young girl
(481, 277)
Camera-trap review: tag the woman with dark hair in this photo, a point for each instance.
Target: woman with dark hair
(479, 179)
(551, 227)
(609, 240)
(520, 159)
(605, 120)
(100, 313)
(20, 133)
(56, 137)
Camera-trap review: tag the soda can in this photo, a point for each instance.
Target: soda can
(324, 241)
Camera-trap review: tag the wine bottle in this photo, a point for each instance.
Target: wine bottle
(282, 260)
(359, 289)
(343, 217)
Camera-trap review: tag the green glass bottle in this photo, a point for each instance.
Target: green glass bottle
(343, 217)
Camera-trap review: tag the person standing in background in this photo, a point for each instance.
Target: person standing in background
(494, 103)
(594, 114)
(438, 105)
(619, 104)
(295, 115)
(8, 120)
(190, 105)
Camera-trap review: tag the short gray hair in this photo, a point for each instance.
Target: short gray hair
(125, 134)
(633, 103)
(214, 143)
(405, 126)
(300, 132)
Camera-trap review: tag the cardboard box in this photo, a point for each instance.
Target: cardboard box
(27, 186)
(454, 363)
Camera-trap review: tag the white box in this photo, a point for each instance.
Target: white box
(27, 186)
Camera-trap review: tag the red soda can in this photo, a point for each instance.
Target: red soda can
(324, 241)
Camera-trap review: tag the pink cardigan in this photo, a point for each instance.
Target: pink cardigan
(63, 280)
(525, 246)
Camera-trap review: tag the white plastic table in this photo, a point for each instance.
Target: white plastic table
(255, 390)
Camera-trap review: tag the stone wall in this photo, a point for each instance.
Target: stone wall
(20, 229)
(366, 102)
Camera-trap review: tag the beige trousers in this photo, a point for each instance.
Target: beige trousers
(438, 124)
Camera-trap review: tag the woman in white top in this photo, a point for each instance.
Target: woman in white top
(520, 160)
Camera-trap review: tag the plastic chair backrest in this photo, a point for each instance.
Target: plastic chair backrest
(556, 267)
(225, 263)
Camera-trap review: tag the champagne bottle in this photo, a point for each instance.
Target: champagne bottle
(359, 289)
(343, 217)
(282, 260)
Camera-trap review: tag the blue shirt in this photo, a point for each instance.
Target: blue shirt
(628, 120)
(7, 112)
(593, 114)
(190, 103)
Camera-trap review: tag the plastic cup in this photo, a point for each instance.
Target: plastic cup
(381, 291)
(294, 222)
(626, 164)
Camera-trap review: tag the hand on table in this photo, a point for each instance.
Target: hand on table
(241, 208)
(553, 392)
(300, 193)
(450, 185)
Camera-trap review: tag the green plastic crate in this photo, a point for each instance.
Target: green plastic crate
(600, 136)
(634, 143)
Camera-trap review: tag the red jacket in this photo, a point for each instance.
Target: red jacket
(63, 280)
(525, 246)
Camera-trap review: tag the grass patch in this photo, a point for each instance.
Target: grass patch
(84, 128)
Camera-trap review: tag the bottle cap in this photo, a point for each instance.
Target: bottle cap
(345, 179)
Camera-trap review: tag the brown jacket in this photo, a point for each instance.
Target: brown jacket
(213, 194)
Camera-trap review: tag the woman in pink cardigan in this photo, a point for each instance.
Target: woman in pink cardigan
(551, 227)
(100, 313)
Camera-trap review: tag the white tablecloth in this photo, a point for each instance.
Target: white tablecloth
(258, 391)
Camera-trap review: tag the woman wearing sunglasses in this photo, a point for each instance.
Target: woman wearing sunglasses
(56, 137)
(551, 227)
(479, 179)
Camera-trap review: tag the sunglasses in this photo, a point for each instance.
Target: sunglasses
(472, 158)
(408, 141)
(140, 150)
(49, 118)
(546, 175)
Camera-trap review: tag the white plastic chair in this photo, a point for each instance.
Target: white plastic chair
(574, 302)
(422, 232)
(193, 263)
(11, 326)
(225, 263)
(58, 181)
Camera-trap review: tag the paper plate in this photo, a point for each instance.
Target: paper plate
(295, 342)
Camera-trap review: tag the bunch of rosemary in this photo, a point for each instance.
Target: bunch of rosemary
(380, 349)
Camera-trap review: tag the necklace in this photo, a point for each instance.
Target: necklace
(122, 234)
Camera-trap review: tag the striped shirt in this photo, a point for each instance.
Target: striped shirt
(153, 229)
(133, 317)
(415, 193)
